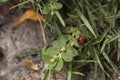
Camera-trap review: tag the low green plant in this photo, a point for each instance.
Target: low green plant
(96, 20)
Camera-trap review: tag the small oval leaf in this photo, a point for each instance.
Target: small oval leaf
(59, 65)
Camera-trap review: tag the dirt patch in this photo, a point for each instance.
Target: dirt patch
(27, 37)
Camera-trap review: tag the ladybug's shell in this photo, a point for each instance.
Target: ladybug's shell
(81, 40)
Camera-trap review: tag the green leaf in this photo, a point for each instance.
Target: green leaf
(47, 75)
(59, 43)
(75, 43)
(59, 65)
(57, 5)
(86, 22)
(68, 55)
(49, 17)
(60, 18)
(74, 51)
(51, 51)
(52, 65)
(49, 55)
(46, 9)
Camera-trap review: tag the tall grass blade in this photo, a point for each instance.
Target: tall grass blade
(111, 62)
(96, 57)
(60, 18)
(20, 4)
(103, 46)
(118, 50)
(116, 36)
(70, 72)
(93, 23)
(86, 22)
(102, 75)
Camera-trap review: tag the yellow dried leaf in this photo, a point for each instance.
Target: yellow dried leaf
(31, 65)
(31, 15)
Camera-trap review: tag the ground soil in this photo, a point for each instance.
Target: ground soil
(27, 37)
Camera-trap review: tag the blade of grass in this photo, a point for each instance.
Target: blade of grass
(113, 16)
(105, 33)
(100, 62)
(100, 7)
(82, 29)
(111, 62)
(118, 50)
(20, 4)
(91, 6)
(95, 56)
(107, 41)
(92, 21)
(108, 67)
(86, 22)
(57, 28)
(102, 75)
(78, 73)
(69, 77)
(27, 53)
(84, 61)
(95, 70)
(60, 18)
(103, 46)
(114, 37)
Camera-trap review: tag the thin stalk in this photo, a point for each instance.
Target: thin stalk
(42, 30)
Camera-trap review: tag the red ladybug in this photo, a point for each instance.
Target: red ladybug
(81, 40)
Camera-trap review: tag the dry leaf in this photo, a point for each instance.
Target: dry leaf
(31, 65)
(31, 15)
